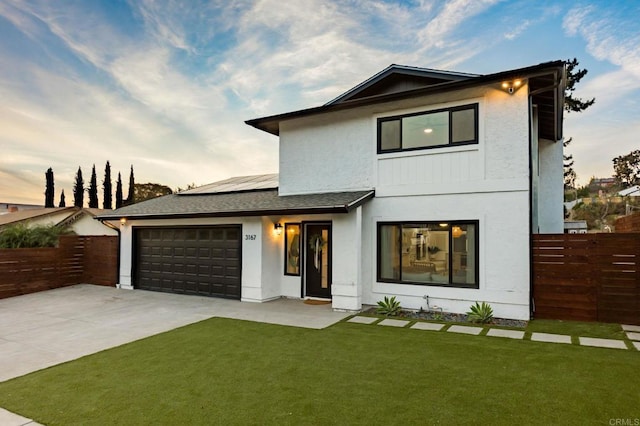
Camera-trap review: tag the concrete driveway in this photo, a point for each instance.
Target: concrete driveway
(44, 329)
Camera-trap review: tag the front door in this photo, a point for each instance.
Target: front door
(317, 270)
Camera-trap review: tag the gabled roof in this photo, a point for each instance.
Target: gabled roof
(399, 78)
(31, 214)
(233, 204)
(546, 88)
(80, 213)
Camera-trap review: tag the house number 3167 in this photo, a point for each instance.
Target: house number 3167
(249, 237)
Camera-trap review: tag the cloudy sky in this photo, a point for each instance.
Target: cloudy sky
(166, 85)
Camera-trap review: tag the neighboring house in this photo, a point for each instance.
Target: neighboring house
(416, 182)
(575, 227)
(14, 207)
(80, 221)
(633, 191)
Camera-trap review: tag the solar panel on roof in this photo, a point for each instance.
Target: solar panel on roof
(237, 184)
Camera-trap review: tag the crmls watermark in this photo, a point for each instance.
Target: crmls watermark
(624, 422)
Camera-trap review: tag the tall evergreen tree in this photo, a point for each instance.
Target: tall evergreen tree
(573, 104)
(63, 202)
(78, 189)
(131, 195)
(93, 189)
(119, 192)
(48, 192)
(106, 185)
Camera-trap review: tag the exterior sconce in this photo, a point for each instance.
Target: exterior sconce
(277, 229)
(123, 221)
(511, 86)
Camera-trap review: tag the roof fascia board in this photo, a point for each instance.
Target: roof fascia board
(400, 69)
(235, 213)
(528, 72)
(341, 208)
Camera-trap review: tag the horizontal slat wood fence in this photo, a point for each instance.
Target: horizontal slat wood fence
(630, 223)
(587, 277)
(76, 260)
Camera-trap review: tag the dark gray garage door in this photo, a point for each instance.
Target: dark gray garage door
(192, 260)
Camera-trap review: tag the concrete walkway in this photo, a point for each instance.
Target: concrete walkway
(47, 328)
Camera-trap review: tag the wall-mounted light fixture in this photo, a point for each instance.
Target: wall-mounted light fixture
(123, 221)
(456, 231)
(277, 229)
(511, 86)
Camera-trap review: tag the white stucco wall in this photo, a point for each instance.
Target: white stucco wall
(87, 225)
(550, 187)
(503, 251)
(488, 182)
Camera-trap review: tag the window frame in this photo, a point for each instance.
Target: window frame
(451, 223)
(472, 106)
(287, 226)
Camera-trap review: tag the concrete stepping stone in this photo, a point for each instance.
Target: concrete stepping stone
(511, 334)
(627, 327)
(550, 338)
(393, 323)
(633, 336)
(637, 345)
(363, 320)
(427, 326)
(602, 343)
(465, 329)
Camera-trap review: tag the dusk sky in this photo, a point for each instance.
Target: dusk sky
(167, 85)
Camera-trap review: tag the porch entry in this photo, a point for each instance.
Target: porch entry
(317, 265)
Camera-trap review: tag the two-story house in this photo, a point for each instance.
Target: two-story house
(416, 182)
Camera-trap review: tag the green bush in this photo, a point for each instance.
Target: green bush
(388, 306)
(24, 236)
(482, 313)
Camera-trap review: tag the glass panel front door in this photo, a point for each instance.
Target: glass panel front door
(318, 260)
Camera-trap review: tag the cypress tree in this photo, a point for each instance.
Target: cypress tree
(78, 189)
(131, 195)
(106, 185)
(48, 192)
(93, 189)
(63, 203)
(119, 192)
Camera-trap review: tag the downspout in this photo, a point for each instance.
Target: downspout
(555, 86)
(531, 301)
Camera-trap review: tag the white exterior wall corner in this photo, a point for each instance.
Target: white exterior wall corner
(506, 134)
(346, 288)
(272, 260)
(550, 187)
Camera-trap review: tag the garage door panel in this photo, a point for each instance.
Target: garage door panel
(197, 260)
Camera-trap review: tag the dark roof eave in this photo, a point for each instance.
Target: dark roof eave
(270, 124)
(233, 213)
(341, 208)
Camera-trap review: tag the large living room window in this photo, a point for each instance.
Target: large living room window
(443, 127)
(428, 253)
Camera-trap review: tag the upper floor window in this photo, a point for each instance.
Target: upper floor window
(443, 127)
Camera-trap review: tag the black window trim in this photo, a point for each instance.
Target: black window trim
(451, 223)
(473, 106)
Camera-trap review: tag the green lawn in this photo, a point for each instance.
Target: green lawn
(223, 371)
